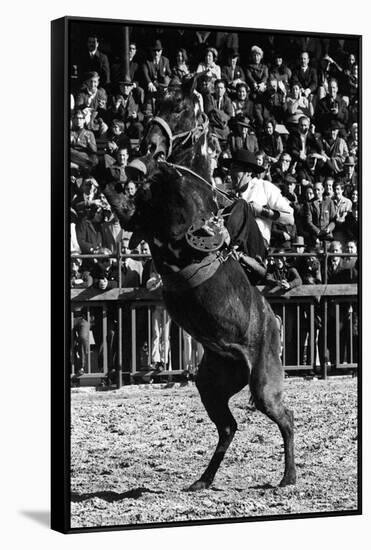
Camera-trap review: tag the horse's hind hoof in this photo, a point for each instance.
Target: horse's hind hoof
(288, 480)
(198, 486)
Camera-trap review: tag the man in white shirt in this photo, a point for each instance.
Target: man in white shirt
(262, 204)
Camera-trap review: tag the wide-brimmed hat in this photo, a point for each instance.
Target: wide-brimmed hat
(157, 45)
(126, 82)
(245, 159)
(336, 125)
(289, 180)
(299, 241)
(350, 161)
(243, 121)
(135, 169)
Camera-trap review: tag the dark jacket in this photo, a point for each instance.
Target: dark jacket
(319, 215)
(157, 74)
(305, 79)
(324, 115)
(99, 63)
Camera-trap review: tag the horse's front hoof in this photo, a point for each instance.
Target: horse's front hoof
(198, 486)
(288, 480)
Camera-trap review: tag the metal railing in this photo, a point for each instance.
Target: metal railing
(318, 328)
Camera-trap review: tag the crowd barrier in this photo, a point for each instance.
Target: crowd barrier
(319, 329)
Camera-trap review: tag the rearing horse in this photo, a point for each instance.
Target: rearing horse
(208, 294)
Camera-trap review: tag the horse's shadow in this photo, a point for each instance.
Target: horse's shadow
(112, 496)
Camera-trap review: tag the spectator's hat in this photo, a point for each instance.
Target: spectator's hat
(350, 161)
(126, 82)
(336, 125)
(136, 169)
(257, 49)
(299, 242)
(157, 46)
(233, 52)
(244, 159)
(243, 121)
(289, 180)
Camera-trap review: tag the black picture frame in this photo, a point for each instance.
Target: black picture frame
(61, 340)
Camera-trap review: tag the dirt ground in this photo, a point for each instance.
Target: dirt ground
(135, 450)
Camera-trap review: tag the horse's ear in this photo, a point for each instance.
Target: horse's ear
(189, 85)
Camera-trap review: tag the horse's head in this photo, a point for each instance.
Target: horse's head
(178, 130)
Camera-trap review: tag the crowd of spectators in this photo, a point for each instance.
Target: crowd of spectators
(290, 100)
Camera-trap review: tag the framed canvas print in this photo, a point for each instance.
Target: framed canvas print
(205, 192)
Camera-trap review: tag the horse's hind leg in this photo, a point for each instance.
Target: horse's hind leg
(266, 390)
(216, 385)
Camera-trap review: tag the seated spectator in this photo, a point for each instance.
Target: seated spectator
(335, 149)
(297, 105)
(131, 269)
(209, 65)
(331, 108)
(350, 248)
(306, 151)
(92, 100)
(93, 60)
(281, 276)
(280, 72)
(233, 73)
(242, 135)
(117, 170)
(257, 74)
(181, 68)
(103, 272)
(243, 105)
(349, 175)
(85, 196)
(125, 109)
(335, 263)
(328, 187)
(116, 139)
(281, 169)
(328, 70)
(118, 73)
(156, 72)
(350, 76)
(83, 145)
(89, 231)
(320, 216)
(271, 142)
(220, 110)
(274, 101)
(342, 204)
(352, 140)
(309, 268)
(305, 76)
(79, 278)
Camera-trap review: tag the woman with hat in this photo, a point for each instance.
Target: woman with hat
(242, 135)
(233, 72)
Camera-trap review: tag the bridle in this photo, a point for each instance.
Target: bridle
(181, 139)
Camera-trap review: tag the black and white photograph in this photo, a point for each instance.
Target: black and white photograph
(212, 213)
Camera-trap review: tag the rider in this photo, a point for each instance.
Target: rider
(259, 203)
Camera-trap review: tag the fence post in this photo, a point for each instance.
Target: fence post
(325, 313)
